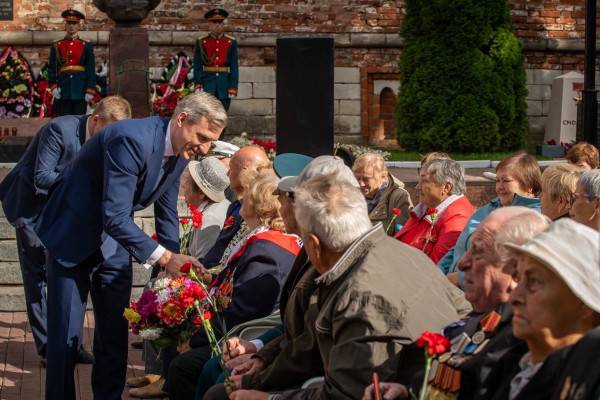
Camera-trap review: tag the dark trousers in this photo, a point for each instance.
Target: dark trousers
(183, 373)
(217, 392)
(226, 103)
(32, 258)
(69, 107)
(109, 281)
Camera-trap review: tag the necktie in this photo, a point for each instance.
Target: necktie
(167, 166)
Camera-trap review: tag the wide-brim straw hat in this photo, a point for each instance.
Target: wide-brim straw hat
(210, 175)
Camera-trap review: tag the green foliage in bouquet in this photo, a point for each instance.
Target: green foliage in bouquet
(462, 78)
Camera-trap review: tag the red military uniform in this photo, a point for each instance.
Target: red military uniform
(72, 69)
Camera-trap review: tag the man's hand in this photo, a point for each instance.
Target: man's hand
(389, 391)
(249, 367)
(248, 395)
(172, 262)
(236, 362)
(235, 347)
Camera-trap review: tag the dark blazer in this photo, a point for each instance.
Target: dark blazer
(116, 173)
(579, 377)
(214, 255)
(23, 191)
(262, 267)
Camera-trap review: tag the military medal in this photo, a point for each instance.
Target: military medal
(478, 337)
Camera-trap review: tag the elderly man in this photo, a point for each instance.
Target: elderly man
(586, 205)
(370, 305)
(443, 210)
(126, 167)
(387, 201)
(293, 357)
(246, 158)
(487, 332)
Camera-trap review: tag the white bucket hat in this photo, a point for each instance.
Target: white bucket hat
(571, 251)
(210, 175)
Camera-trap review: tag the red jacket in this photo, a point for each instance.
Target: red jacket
(437, 240)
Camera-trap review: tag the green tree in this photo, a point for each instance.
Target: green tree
(462, 77)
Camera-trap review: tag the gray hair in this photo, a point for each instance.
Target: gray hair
(590, 182)
(447, 171)
(202, 104)
(333, 210)
(518, 230)
(325, 165)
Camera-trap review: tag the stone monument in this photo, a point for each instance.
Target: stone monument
(562, 118)
(128, 49)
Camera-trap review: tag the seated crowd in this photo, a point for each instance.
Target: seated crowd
(348, 275)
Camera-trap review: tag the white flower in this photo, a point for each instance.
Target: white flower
(150, 333)
(161, 283)
(163, 296)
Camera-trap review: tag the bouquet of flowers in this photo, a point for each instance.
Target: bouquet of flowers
(42, 97)
(195, 222)
(16, 85)
(174, 84)
(171, 310)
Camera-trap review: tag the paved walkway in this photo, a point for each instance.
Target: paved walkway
(22, 377)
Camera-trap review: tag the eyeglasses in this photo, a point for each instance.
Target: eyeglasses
(289, 195)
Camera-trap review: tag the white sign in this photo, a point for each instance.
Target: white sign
(562, 120)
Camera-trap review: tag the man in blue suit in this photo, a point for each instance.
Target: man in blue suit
(128, 166)
(24, 192)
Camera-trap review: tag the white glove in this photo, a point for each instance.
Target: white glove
(56, 93)
(88, 97)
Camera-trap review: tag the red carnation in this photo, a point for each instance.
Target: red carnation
(154, 237)
(184, 221)
(396, 211)
(431, 211)
(229, 222)
(436, 343)
(208, 315)
(197, 218)
(186, 267)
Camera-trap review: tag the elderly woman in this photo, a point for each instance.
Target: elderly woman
(203, 184)
(584, 155)
(387, 202)
(553, 307)
(437, 221)
(250, 283)
(559, 183)
(488, 288)
(517, 184)
(586, 203)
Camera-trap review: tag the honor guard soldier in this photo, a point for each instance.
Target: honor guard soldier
(72, 69)
(216, 60)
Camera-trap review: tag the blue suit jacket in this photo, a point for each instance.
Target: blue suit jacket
(116, 173)
(23, 191)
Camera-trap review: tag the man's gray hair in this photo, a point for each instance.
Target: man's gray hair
(202, 104)
(333, 210)
(522, 226)
(447, 171)
(590, 182)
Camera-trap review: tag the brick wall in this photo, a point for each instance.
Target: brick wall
(365, 33)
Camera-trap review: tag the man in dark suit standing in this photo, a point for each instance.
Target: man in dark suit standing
(125, 168)
(24, 192)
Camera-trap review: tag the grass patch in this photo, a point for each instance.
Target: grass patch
(400, 155)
